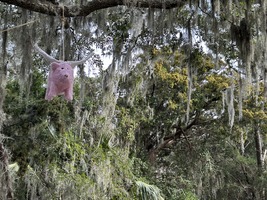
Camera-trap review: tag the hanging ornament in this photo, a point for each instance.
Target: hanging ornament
(60, 78)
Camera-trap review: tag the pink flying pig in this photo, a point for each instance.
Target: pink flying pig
(60, 78)
(60, 81)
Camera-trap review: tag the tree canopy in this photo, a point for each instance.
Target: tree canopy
(170, 105)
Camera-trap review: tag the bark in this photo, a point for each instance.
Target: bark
(48, 8)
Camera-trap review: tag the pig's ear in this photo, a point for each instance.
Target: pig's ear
(54, 66)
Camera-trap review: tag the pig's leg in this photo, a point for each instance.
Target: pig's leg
(68, 94)
(51, 91)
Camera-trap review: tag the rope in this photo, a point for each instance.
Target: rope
(62, 33)
(18, 26)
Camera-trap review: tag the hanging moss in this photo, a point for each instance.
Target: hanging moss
(3, 68)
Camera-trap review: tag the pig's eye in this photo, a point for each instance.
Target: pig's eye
(62, 67)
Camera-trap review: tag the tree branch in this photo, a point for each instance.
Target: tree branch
(169, 140)
(48, 8)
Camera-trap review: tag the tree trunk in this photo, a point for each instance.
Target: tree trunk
(258, 146)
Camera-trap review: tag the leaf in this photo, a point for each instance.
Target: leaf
(147, 192)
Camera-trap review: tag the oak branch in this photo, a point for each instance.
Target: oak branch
(50, 8)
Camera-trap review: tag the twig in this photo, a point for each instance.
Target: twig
(18, 26)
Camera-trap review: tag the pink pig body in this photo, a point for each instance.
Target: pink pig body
(60, 81)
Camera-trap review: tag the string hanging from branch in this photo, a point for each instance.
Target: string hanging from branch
(62, 32)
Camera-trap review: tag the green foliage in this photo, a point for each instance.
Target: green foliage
(47, 140)
(187, 195)
(166, 134)
(147, 192)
